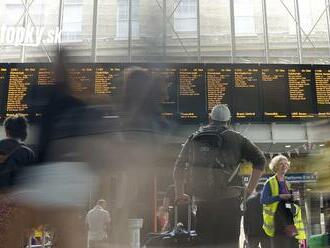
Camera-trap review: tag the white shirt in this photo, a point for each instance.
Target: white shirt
(97, 220)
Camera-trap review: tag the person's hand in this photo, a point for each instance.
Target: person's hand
(302, 243)
(244, 197)
(285, 196)
(246, 193)
(182, 199)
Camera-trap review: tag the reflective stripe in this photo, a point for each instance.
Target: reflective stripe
(270, 227)
(269, 212)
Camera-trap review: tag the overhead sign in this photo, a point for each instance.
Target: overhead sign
(292, 178)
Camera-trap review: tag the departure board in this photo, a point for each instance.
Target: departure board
(274, 88)
(41, 89)
(4, 72)
(81, 78)
(322, 83)
(254, 92)
(166, 77)
(246, 100)
(191, 101)
(108, 79)
(219, 85)
(28, 89)
(21, 79)
(301, 92)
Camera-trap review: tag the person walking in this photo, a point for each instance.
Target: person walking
(98, 224)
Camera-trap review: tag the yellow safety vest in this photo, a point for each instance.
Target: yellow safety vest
(269, 211)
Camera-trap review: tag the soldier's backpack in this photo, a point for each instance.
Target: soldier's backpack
(207, 173)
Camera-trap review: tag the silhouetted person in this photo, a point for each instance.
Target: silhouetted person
(13, 152)
(253, 221)
(132, 152)
(56, 202)
(15, 155)
(98, 225)
(209, 161)
(62, 107)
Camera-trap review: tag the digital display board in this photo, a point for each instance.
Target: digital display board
(82, 78)
(322, 84)
(166, 77)
(192, 99)
(108, 79)
(28, 88)
(301, 92)
(274, 89)
(219, 80)
(254, 92)
(246, 93)
(21, 78)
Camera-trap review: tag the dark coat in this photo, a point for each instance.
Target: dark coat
(253, 219)
(20, 156)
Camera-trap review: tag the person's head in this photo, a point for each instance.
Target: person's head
(279, 164)
(16, 127)
(220, 115)
(102, 203)
(141, 95)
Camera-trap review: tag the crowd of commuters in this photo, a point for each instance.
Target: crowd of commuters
(271, 217)
(205, 173)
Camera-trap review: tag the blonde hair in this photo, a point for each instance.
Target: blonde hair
(276, 160)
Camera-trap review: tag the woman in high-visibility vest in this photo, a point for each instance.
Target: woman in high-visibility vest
(282, 217)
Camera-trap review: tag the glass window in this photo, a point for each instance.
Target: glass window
(77, 26)
(215, 31)
(37, 13)
(44, 15)
(283, 47)
(72, 21)
(314, 32)
(249, 32)
(108, 49)
(123, 19)
(185, 16)
(244, 17)
(14, 13)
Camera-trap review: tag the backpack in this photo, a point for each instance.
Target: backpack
(208, 176)
(4, 155)
(7, 171)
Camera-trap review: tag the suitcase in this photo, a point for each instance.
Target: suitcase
(319, 241)
(178, 237)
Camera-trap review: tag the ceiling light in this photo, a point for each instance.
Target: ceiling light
(287, 146)
(321, 145)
